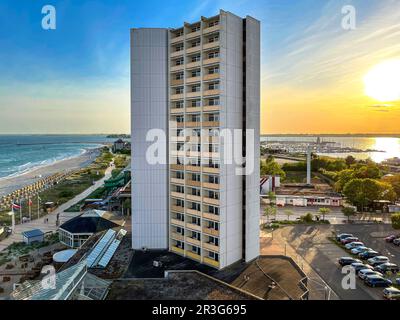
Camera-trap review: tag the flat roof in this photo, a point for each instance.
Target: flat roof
(33, 233)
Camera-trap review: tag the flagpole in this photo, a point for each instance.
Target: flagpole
(38, 206)
(20, 211)
(30, 209)
(12, 219)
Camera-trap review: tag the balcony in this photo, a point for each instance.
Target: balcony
(211, 76)
(177, 167)
(213, 186)
(211, 61)
(212, 92)
(176, 82)
(177, 181)
(193, 255)
(211, 262)
(193, 226)
(211, 231)
(210, 170)
(177, 139)
(193, 168)
(210, 45)
(177, 250)
(210, 123)
(210, 247)
(177, 208)
(193, 109)
(193, 80)
(211, 108)
(177, 110)
(213, 155)
(177, 96)
(193, 198)
(177, 153)
(193, 64)
(191, 94)
(178, 222)
(193, 124)
(193, 212)
(192, 241)
(210, 216)
(176, 54)
(177, 195)
(195, 49)
(177, 39)
(177, 68)
(192, 35)
(193, 183)
(211, 201)
(177, 236)
(211, 29)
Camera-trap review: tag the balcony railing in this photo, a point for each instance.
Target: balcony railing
(211, 76)
(178, 222)
(211, 231)
(210, 45)
(211, 262)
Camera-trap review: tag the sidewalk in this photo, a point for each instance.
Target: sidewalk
(52, 217)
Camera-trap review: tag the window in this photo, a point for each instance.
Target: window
(213, 86)
(195, 103)
(179, 62)
(213, 39)
(180, 203)
(196, 250)
(213, 179)
(195, 58)
(213, 195)
(213, 23)
(213, 70)
(213, 210)
(179, 119)
(213, 117)
(195, 177)
(195, 43)
(213, 164)
(196, 206)
(180, 217)
(214, 54)
(195, 192)
(196, 132)
(180, 244)
(179, 33)
(195, 147)
(195, 220)
(213, 255)
(195, 73)
(196, 236)
(213, 148)
(213, 102)
(196, 88)
(213, 225)
(213, 132)
(180, 189)
(179, 48)
(213, 240)
(180, 230)
(179, 90)
(195, 118)
(180, 175)
(179, 76)
(179, 104)
(195, 28)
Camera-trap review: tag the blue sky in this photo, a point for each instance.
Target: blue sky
(75, 79)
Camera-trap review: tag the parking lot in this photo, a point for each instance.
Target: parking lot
(312, 243)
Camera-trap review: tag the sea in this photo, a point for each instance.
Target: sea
(384, 147)
(22, 153)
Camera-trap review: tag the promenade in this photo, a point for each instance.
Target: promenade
(50, 225)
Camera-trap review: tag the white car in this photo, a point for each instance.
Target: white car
(359, 249)
(377, 260)
(353, 245)
(368, 272)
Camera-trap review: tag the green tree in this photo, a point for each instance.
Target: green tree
(269, 212)
(350, 160)
(396, 221)
(323, 212)
(394, 181)
(343, 177)
(288, 213)
(348, 212)
(272, 168)
(272, 198)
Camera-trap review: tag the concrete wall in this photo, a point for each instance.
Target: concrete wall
(149, 69)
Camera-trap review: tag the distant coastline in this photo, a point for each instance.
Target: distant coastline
(350, 135)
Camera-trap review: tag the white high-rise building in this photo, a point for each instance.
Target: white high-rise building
(193, 83)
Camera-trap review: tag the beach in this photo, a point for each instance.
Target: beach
(8, 185)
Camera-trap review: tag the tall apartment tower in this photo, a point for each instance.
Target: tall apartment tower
(191, 84)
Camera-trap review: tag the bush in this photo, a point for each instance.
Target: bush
(66, 194)
(396, 221)
(307, 218)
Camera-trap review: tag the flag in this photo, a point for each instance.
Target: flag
(29, 202)
(15, 206)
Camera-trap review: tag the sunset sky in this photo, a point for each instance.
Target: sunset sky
(75, 79)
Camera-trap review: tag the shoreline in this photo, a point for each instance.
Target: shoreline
(12, 183)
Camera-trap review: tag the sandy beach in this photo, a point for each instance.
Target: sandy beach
(8, 185)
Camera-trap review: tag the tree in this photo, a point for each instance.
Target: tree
(269, 211)
(323, 212)
(272, 168)
(394, 181)
(348, 212)
(350, 160)
(343, 177)
(396, 221)
(272, 198)
(288, 213)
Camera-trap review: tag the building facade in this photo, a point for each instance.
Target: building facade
(200, 86)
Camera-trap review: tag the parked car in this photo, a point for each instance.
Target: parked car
(396, 242)
(360, 266)
(387, 267)
(346, 261)
(360, 249)
(368, 254)
(341, 236)
(349, 240)
(377, 281)
(374, 261)
(352, 245)
(391, 293)
(362, 274)
(392, 237)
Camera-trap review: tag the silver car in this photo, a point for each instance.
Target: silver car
(367, 272)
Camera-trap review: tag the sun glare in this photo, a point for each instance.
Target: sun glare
(382, 82)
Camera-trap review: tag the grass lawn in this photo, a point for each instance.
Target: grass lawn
(300, 177)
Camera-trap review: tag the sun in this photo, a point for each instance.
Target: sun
(382, 82)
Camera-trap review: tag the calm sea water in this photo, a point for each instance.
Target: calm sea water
(389, 146)
(22, 153)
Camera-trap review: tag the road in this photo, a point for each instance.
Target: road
(311, 243)
(52, 217)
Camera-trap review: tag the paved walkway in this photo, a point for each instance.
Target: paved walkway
(52, 217)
